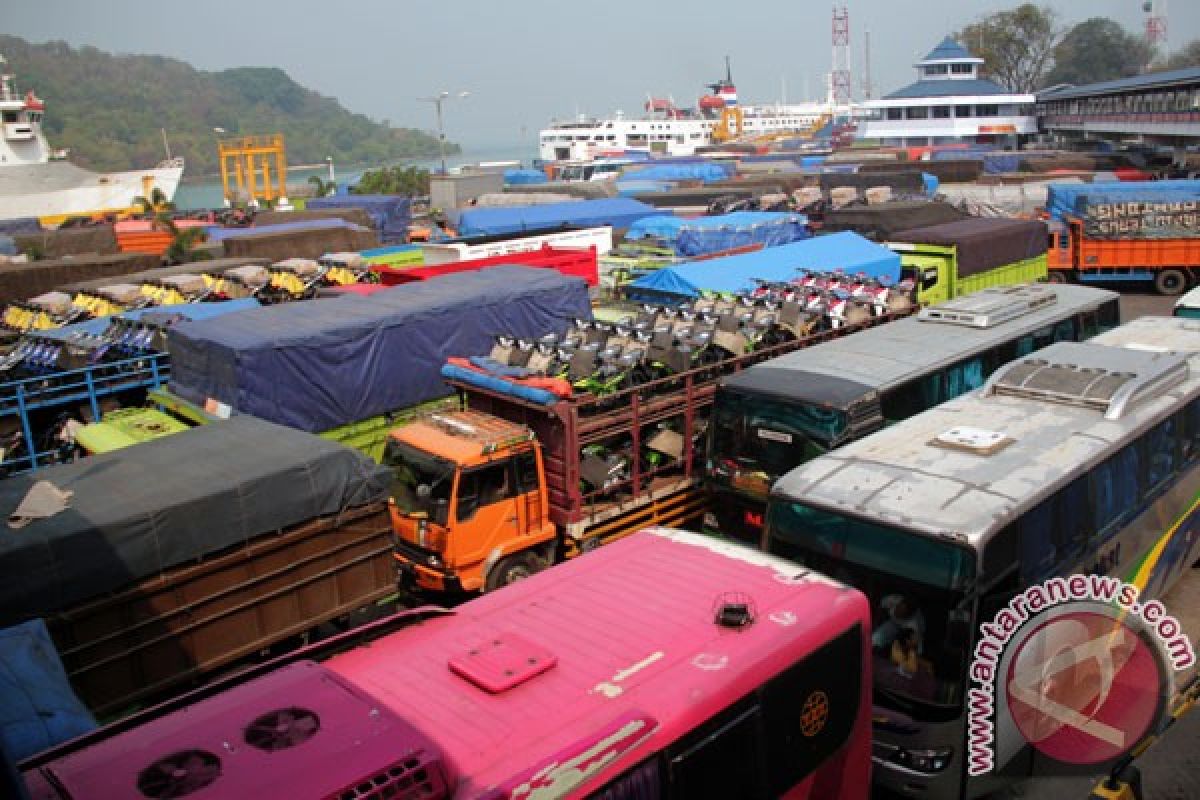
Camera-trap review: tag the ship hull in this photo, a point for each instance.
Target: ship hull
(56, 190)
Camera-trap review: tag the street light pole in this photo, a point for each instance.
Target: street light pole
(437, 101)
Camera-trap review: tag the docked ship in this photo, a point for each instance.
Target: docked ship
(37, 182)
(667, 129)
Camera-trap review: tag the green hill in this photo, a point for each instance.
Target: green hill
(109, 110)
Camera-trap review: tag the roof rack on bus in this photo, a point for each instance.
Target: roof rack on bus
(990, 307)
(1107, 379)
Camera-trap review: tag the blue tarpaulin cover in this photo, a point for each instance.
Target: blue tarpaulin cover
(38, 708)
(707, 171)
(701, 235)
(391, 214)
(524, 177)
(1129, 209)
(845, 251)
(324, 363)
(217, 234)
(20, 225)
(619, 212)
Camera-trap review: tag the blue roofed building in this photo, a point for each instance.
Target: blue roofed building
(949, 104)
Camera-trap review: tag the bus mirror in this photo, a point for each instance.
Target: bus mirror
(424, 490)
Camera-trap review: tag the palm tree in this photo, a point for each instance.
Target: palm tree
(183, 241)
(321, 188)
(158, 202)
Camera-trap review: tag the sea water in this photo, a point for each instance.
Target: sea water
(206, 193)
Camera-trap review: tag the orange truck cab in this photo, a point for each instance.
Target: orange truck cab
(468, 502)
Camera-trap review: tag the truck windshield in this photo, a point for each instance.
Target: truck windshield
(916, 586)
(767, 436)
(412, 468)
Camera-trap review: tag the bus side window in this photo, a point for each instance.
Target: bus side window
(1109, 315)
(1158, 455)
(1037, 548)
(962, 378)
(1189, 431)
(1089, 324)
(643, 782)
(1064, 331)
(1115, 490)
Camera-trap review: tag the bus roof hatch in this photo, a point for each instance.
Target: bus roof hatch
(988, 308)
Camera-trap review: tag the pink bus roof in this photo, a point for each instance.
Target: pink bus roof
(620, 644)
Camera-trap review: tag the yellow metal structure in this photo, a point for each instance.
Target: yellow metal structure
(731, 125)
(253, 168)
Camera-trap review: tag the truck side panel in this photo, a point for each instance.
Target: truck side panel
(1138, 254)
(171, 628)
(1029, 270)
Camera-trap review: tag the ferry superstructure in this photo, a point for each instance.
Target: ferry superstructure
(34, 183)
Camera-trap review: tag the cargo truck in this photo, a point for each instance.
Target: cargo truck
(1146, 231)
(506, 486)
(182, 556)
(956, 258)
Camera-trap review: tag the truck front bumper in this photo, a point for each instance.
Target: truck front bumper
(415, 575)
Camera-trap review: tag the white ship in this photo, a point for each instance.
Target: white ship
(35, 183)
(669, 130)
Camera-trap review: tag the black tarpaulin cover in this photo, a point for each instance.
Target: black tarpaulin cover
(880, 221)
(325, 363)
(983, 243)
(144, 509)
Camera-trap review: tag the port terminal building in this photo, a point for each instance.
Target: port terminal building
(1161, 108)
(950, 104)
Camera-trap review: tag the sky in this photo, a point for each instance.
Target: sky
(526, 62)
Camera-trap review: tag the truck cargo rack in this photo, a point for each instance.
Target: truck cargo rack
(570, 424)
(66, 390)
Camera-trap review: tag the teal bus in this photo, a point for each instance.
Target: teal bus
(780, 413)
(1080, 458)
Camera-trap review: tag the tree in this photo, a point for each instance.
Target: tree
(181, 250)
(1098, 49)
(1015, 45)
(1187, 56)
(394, 180)
(156, 203)
(322, 188)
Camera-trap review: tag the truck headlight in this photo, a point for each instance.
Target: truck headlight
(434, 561)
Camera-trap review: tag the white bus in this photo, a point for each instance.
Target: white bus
(1078, 458)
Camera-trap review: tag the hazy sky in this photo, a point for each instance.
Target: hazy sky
(527, 61)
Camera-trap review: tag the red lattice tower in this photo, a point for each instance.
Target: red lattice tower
(840, 74)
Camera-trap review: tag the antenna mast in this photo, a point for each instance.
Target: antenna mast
(868, 90)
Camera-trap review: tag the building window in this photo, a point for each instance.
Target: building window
(962, 69)
(941, 112)
(962, 111)
(895, 113)
(916, 112)
(987, 111)
(935, 69)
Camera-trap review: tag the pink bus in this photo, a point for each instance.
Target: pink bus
(666, 665)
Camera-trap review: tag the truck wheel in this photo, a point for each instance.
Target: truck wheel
(1170, 282)
(511, 569)
(1058, 276)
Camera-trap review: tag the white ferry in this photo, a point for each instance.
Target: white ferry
(36, 182)
(669, 130)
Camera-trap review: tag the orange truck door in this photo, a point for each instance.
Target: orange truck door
(486, 518)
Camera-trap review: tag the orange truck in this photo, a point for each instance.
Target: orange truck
(1140, 231)
(484, 497)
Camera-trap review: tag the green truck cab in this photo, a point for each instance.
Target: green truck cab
(956, 258)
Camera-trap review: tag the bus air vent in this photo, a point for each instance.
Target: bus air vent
(734, 610)
(990, 307)
(281, 729)
(972, 440)
(1109, 379)
(502, 662)
(179, 774)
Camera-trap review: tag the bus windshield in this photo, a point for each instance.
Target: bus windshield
(412, 468)
(765, 437)
(916, 586)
